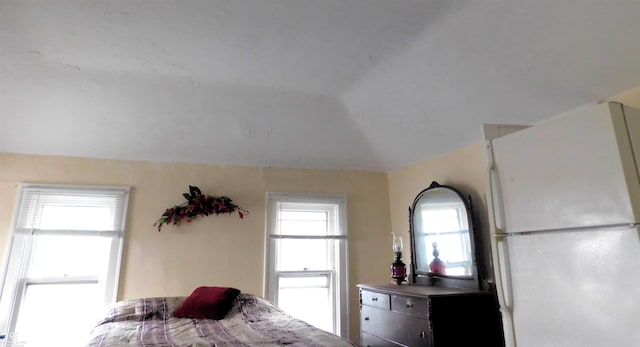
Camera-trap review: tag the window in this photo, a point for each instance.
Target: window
(63, 263)
(307, 259)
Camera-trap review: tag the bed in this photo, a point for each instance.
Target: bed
(249, 321)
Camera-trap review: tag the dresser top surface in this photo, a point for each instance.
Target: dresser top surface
(417, 290)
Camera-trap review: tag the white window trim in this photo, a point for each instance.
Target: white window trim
(13, 283)
(341, 281)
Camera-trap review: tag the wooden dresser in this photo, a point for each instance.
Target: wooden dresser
(417, 315)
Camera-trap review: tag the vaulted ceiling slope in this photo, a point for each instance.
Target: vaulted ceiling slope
(352, 84)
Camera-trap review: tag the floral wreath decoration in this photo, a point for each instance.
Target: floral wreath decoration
(198, 204)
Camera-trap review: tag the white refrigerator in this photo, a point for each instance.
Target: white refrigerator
(564, 207)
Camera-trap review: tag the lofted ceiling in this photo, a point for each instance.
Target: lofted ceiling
(352, 84)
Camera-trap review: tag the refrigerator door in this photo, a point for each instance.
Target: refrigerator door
(576, 288)
(572, 171)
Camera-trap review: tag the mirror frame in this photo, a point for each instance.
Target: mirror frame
(440, 280)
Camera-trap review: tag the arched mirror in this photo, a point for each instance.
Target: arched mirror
(442, 239)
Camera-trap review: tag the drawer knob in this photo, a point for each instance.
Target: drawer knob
(422, 334)
(409, 304)
(366, 318)
(374, 299)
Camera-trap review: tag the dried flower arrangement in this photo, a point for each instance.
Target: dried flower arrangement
(198, 204)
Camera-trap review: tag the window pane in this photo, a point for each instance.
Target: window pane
(303, 215)
(317, 219)
(302, 223)
(297, 254)
(434, 221)
(76, 218)
(311, 303)
(60, 255)
(304, 282)
(71, 208)
(57, 314)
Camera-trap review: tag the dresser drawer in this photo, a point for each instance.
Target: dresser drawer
(368, 340)
(418, 307)
(399, 328)
(375, 299)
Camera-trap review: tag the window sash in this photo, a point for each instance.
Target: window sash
(303, 310)
(329, 274)
(35, 199)
(330, 205)
(42, 320)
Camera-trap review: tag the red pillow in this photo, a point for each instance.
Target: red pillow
(207, 302)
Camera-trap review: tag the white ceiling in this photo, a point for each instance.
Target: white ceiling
(353, 84)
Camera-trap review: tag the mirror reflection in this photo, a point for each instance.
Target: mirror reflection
(442, 239)
(442, 235)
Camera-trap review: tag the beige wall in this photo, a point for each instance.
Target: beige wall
(463, 169)
(217, 250)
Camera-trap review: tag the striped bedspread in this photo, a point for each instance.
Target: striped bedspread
(252, 321)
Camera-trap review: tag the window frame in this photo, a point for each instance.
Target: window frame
(22, 242)
(338, 277)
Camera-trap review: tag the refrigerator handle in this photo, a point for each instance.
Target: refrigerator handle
(499, 251)
(494, 193)
(503, 285)
(505, 271)
(498, 235)
(496, 197)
